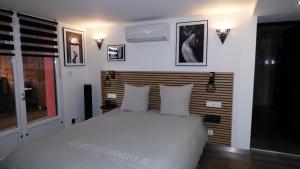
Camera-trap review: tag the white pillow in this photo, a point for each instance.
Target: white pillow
(175, 100)
(135, 98)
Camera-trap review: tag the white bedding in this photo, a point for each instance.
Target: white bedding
(118, 140)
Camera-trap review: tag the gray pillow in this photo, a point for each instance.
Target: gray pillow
(135, 98)
(175, 100)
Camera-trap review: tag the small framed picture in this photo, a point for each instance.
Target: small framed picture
(116, 52)
(74, 54)
(191, 43)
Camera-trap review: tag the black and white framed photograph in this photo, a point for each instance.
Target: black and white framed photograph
(73, 47)
(191, 43)
(116, 52)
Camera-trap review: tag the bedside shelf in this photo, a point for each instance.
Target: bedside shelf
(107, 108)
(214, 119)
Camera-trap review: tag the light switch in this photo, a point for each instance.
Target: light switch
(210, 132)
(111, 95)
(214, 104)
(70, 73)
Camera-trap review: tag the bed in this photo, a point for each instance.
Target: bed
(118, 139)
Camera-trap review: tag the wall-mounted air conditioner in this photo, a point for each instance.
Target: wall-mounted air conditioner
(146, 33)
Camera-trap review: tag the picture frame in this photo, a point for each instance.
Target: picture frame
(191, 43)
(116, 52)
(74, 47)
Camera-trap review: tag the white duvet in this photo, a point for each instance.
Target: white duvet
(117, 140)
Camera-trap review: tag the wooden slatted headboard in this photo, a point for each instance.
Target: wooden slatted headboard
(223, 93)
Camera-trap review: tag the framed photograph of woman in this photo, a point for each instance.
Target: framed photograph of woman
(116, 52)
(73, 47)
(191, 43)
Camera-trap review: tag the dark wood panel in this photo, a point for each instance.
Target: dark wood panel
(224, 93)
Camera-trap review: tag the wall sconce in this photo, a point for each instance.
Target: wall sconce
(99, 42)
(211, 87)
(111, 75)
(222, 33)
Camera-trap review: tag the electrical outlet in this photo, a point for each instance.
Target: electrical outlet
(111, 95)
(73, 120)
(210, 132)
(214, 104)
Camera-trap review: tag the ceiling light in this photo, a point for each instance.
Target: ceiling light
(298, 3)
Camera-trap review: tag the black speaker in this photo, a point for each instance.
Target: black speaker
(88, 102)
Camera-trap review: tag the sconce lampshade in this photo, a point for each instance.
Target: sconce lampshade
(222, 33)
(99, 43)
(110, 76)
(210, 86)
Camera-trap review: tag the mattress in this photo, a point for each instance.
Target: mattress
(117, 139)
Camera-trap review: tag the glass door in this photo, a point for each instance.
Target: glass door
(8, 115)
(38, 70)
(39, 88)
(29, 98)
(40, 96)
(10, 128)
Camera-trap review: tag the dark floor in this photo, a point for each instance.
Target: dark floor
(276, 145)
(215, 158)
(268, 132)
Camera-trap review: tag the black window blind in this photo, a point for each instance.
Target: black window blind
(6, 33)
(38, 36)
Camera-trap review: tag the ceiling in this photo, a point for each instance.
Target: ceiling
(277, 10)
(92, 13)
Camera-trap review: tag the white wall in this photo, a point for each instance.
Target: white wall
(72, 81)
(236, 55)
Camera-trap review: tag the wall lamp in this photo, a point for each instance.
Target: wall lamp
(210, 86)
(222, 33)
(111, 75)
(99, 42)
